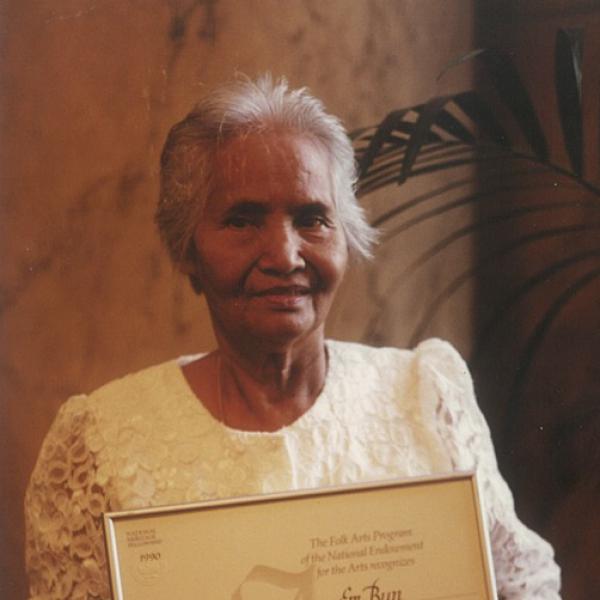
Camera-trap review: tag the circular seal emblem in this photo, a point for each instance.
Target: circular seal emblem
(150, 567)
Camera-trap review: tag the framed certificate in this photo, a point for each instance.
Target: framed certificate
(416, 539)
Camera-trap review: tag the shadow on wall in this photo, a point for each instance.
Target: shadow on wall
(535, 219)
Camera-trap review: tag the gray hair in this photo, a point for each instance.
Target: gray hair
(239, 107)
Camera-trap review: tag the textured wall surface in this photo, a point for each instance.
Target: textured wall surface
(89, 90)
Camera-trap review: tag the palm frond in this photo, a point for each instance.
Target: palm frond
(449, 132)
(568, 77)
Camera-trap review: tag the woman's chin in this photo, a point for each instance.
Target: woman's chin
(265, 324)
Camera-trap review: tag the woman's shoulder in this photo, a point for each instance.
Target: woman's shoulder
(432, 368)
(433, 351)
(148, 378)
(441, 359)
(123, 395)
(355, 351)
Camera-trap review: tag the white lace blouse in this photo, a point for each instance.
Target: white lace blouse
(146, 440)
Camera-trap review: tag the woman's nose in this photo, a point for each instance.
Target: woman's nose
(281, 250)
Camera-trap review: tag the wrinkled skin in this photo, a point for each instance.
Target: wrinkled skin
(271, 252)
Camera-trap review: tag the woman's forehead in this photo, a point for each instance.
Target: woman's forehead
(261, 165)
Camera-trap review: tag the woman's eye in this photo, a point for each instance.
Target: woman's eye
(313, 222)
(238, 222)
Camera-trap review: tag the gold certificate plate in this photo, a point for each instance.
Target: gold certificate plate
(416, 539)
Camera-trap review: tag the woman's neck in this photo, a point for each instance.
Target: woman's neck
(258, 388)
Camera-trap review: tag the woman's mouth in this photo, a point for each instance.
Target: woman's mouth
(284, 297)
(284, 290)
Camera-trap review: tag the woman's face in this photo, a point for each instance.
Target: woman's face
(271, 251)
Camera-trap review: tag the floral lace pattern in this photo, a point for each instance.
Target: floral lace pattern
(64, 504)
(146, 440)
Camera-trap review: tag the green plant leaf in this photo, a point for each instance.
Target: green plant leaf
(428, 113)
(459, 60)
(450, 124)
(384, 130)
(479, 112)
(514, 95)
(568, 78)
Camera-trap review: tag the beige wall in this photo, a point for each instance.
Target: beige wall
(89, 89)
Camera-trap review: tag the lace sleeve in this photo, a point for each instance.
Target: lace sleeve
(523, 561)
(64, 502)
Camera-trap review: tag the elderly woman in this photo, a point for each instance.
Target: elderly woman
(257, 208)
